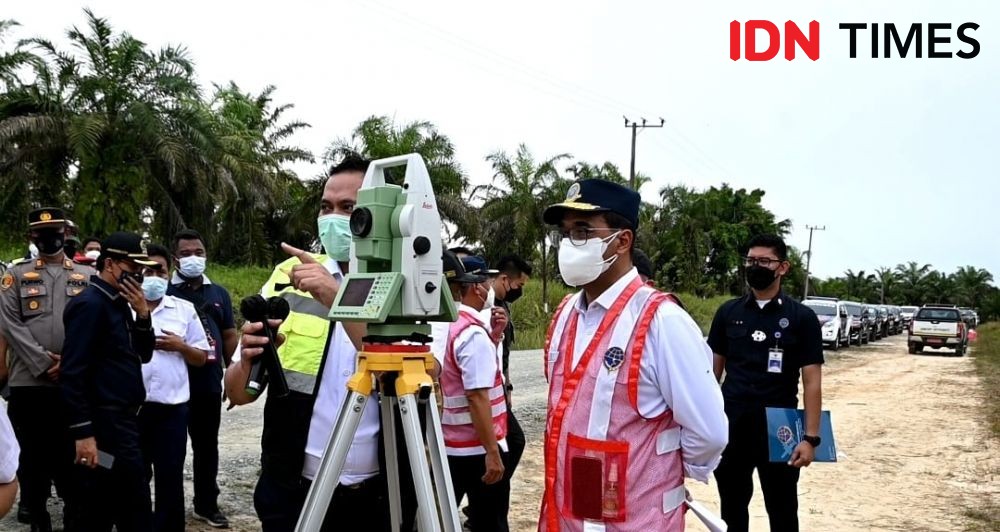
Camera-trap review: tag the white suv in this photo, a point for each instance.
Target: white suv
(834, 319)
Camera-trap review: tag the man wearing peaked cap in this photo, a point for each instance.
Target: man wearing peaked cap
(110, 335)
(633, 405)
(474, 418)
(33, 295)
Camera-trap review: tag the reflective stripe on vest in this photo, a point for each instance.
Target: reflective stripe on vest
(456, 419)
(306, 329)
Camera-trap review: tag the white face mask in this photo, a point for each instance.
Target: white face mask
(580, 265)
(33, 250)
(191, 267)
(491, 299)
(93, 254)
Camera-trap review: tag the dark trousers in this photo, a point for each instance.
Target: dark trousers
(515, 443)
(118, 497)
(47, 451)
(488, 504)
(203, 425)
(363, 507)
(747, 450)
(163, 436)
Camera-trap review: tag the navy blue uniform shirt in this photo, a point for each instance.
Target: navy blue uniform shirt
(102, 356)
(744, 333)
(215, 308)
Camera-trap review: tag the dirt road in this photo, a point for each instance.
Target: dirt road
(912, 452)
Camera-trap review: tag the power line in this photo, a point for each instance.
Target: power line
(635, 129)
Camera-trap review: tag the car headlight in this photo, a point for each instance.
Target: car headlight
(828, 325)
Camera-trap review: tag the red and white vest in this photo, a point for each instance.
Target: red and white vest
(456, 419)
(606, 466)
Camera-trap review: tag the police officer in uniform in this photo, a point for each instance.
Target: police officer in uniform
(763, 341)
(33, 295)
(109, 336)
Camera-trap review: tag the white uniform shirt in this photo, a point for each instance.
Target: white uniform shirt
(166, 375)
(9, 449)
(485, 316)
(439, 339)
(341, 361)
(476, 357)
(675, 372)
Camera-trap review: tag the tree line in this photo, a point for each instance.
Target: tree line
(123, 136)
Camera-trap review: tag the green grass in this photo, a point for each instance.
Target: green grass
(241, 281)
(985, 515)
(987, 359)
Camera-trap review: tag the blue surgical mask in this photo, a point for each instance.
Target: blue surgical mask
(191, 267)
(154, 287)
(335, 235)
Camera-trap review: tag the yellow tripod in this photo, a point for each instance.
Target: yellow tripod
(408, 367)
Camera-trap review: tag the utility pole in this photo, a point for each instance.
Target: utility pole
(635, 129)
(809, 255)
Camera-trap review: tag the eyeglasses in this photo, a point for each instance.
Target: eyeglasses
(761, 261)
(579, 236)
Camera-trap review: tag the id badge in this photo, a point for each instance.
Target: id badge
(774, 360)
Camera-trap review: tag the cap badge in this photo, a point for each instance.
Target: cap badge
(45, 216)
(573, 193)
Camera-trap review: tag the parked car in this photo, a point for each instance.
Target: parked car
(870, 316)
(886, 323)
(876, 322)
(833, 318)
(907, 312)
(970, 317)
(860, 329)
(937, 327)
(895, 320)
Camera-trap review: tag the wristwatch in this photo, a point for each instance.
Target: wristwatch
(811, 440)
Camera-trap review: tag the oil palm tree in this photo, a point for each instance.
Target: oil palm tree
(511, 214)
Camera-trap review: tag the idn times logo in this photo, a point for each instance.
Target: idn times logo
(935, 40)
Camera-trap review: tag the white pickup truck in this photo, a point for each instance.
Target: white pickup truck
(937, 327)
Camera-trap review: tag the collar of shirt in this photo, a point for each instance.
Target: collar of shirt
(177, 279)
(750, 301)
(105, 288)
(333, 267)
(166, 302)
(470, 310)
(606, 299)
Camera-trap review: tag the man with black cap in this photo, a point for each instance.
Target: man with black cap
(109, 336)
(33, 295)
(633, 406)
(474, 420)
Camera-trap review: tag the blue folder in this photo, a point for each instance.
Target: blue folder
(785, 428)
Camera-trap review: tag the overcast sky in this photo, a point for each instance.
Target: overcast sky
(897, 158)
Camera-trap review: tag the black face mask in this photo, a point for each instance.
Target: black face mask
(759, 277)
(49, 242)
(137, 277)
(513, 294)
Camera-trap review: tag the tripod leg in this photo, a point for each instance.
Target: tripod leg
(427, 515)
(328, 476)
(389, 405)
(439, 463)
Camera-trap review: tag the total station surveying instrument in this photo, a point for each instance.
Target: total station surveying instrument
(396, 285)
